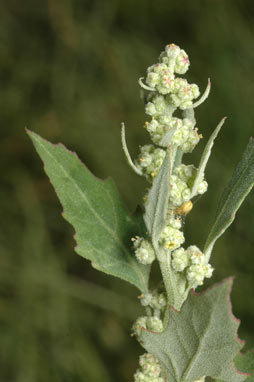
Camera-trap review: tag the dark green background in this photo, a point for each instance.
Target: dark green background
(69, 70)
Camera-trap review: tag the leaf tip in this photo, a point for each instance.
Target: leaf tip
(237, 371)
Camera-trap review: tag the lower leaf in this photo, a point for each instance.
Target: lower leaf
(200, 340)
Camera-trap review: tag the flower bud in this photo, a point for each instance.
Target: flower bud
(139, 324)
(150, 365)
(202, 188)
(197, 272)
(182, 63)
(159, 301)
(195, 275)
(144, 251)
(152, 79)
(180, 259)
(171, 238)
(161, 77)
(154, 324)
(183, 93)
(195, 255)
(139, 376)
(146, 299)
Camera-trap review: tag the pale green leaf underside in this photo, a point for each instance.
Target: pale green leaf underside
(102, 223)
(234, 194)
(200, 339)
(157, 200)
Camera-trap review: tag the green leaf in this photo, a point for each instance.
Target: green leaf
(245, 363)
(200, 340)
(102, 223)
(204, 158)
(234, 194)
(157, 200)
(178, 158)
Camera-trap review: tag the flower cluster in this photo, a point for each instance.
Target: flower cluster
(161, 77)
(181, 183)
(171, 238)
(152, 323)
(185, 136)
(143, 249)
(150, 160)
(150, 369)
(168, 201)
(175, 58)
(154, 300)
(194, 263)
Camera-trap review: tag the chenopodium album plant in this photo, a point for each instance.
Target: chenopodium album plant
(187, 336)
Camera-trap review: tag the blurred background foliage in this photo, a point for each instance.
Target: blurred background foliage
(69, 70)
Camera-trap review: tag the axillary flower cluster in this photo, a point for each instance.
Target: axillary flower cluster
(182, 269)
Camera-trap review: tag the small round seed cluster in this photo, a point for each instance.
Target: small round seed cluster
(194, 263)
(152, 323)
(144, 251)
(171, 238)
(158, 106)
(154, 299)
(184, 136)
(175, 58)
(150, 160)
(181, 183)
(150, 369)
